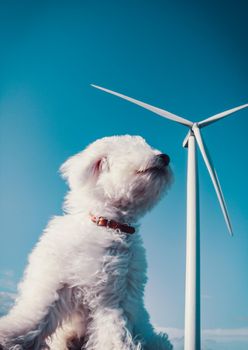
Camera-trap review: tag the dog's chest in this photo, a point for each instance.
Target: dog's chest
(121, 275)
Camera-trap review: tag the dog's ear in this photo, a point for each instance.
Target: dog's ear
(98, 166)
(78, 169)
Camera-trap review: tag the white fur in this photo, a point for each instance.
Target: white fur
(86, 281)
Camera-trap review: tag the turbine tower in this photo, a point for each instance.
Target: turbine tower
(192, 334)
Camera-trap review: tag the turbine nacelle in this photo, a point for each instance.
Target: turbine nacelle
(195, 132)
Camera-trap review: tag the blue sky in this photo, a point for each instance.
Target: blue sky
(187, 57)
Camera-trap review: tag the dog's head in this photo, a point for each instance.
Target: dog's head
(123, 174)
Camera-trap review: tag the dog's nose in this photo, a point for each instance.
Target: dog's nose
(164, 158)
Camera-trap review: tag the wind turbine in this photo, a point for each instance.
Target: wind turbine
(192, 335)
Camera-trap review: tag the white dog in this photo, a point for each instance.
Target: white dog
(84, 284)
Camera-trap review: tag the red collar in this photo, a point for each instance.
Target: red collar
(101, 221)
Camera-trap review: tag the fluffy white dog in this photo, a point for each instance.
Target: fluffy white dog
(84, 284)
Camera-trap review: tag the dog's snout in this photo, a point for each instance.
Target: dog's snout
(164, 158)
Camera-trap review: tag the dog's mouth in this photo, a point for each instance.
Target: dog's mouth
(153, 169)
(158, 165)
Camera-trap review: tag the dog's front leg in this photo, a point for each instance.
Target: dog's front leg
(109, 329)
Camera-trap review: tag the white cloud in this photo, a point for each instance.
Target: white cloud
(7, 280)
(212, 339)
(219, 333)
(7, 291)
(174, 333)
(6, 301)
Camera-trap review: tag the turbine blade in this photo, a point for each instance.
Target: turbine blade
(186, 139)
(218, 116)
(213, 176)
(153, 109)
